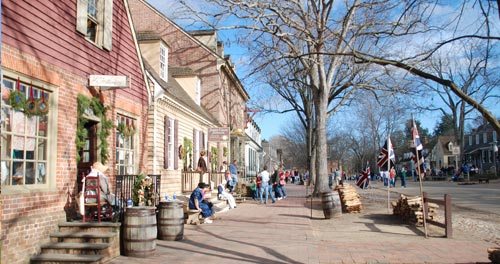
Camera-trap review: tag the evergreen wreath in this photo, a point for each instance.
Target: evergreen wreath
(17, 100)
(106, 125)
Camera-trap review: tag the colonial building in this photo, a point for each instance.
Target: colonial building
(178, 124)
(446, 153)
(72, 85)
(481, 148)
(222, 94)
(253, 149)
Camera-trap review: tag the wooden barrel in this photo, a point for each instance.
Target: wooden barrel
(139, 231)
(171, 220)
(330, 202)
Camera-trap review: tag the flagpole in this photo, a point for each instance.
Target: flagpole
(388, 171)
(420, 182)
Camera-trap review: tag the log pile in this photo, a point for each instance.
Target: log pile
(349, 198)
(494, 254)
(409, 209)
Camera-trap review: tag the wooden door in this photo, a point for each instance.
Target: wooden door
(88, 155)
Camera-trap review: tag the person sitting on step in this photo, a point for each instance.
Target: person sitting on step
(197, 202)
(223, 194)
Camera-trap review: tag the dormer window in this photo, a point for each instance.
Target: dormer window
(163, 62)
(450, 146)
(94, 19)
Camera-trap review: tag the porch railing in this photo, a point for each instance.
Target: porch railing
(190, 179)
(124, 186)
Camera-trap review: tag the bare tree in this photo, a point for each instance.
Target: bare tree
(468, 68)
(305, 31)
(421, 56)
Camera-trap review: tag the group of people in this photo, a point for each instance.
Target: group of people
(200, 197)
(270, 185)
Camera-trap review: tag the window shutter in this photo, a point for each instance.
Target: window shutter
(195, 158)
(108, 25)
(165, 150)
(81, 16)
(176, 144)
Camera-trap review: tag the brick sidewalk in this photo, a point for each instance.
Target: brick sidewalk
(284, 233)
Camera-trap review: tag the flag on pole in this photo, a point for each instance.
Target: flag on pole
(386, 153)
(363, 179)
(417, 148)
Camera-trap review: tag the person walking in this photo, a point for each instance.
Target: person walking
(264, 187)
(233, 169)
(403, 177)
(281, 185)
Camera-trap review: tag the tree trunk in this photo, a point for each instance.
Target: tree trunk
(321, 106)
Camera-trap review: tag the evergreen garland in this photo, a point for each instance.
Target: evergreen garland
(81, 133)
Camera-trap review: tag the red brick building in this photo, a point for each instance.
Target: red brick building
(50, 49)
(222, 94)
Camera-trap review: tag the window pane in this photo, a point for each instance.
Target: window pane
(5, 147)
(17, 173)
(86, 157)
(42, 149)
(92, 8)
(17, 121)
(30, 173)
(5, 170)
(41, 172)
(42, 126)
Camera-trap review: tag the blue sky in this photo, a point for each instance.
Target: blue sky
(271, 124)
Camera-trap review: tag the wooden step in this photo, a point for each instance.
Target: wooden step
(89, 226)
(65, 258)
(74, 248)
(89, 237)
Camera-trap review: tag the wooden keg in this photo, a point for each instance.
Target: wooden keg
(139, 231)
(171, 220)
(330, 202)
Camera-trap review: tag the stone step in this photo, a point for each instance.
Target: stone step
(74, 248)
(65, 258)
(89, 227)
(83, 237)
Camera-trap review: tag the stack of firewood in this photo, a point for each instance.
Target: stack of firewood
(410, 210)
(494, 254)
(349, 198)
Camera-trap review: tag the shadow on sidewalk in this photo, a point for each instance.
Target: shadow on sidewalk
(387, 220)
(238, 256)
(264, 222)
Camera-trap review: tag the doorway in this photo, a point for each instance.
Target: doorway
(88, 154)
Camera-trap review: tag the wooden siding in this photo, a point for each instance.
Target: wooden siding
(47, 30)
(171, 179)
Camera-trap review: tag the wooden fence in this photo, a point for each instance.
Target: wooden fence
(447, 213)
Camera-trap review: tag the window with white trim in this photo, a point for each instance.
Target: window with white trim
(470, 140)
(171, 147)
(494, 136)
(94, 19)
(125, 145)
(163, 62)
(25, 133)
(485, 137)
(477, 139)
